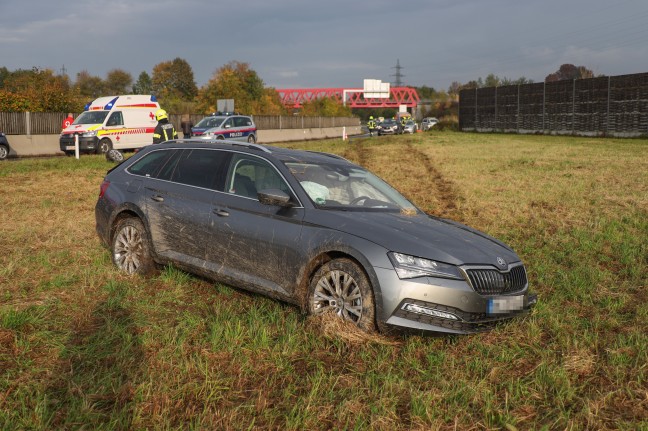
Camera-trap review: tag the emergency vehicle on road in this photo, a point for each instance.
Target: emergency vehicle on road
(113, 122)
(226, 125)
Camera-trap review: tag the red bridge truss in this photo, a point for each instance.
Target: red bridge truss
(352, 97)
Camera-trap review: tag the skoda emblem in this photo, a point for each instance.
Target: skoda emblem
(501, 262)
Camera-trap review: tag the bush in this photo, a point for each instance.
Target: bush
(445, 124)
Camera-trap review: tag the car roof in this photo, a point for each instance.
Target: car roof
(282, 154)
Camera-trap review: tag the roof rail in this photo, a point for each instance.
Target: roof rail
(322, 153)
(248, 145)
(221, 141)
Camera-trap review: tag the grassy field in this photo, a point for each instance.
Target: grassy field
(83, 347)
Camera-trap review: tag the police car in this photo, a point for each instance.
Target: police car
(226, 125)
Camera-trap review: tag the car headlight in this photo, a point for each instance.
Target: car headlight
(89, 134)
(407, 266)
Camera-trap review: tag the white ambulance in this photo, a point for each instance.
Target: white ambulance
(120, 122)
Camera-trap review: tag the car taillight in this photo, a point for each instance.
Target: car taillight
(103, 188)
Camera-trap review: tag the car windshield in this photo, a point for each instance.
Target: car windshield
(209, 122)
(91, 117)
(336, 186)
(389, 122)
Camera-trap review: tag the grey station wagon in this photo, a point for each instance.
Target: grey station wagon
(309, 228)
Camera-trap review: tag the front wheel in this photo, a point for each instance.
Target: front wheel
(131, 250)
(4, 152)
(341, 286)
(104, 146)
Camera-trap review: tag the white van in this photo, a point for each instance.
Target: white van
(119, 122)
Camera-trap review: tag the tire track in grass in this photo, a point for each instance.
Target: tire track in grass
(424, 184)
(356, 152)
(417, 176)
(446, 192)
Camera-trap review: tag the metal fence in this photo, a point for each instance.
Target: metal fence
(48, 123)
(605, 106)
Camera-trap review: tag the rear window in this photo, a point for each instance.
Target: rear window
(149, 165)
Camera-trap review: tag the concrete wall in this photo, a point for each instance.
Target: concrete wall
(47, 145)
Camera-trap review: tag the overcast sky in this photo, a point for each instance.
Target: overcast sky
(329, 43)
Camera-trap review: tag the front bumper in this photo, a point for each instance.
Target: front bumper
(86, 144)
(386, 131)
(444, 305)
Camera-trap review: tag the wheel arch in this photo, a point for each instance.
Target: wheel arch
(328, 255)
(126, 211)
(99, 142)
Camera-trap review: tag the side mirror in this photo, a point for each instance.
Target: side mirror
(274, 197)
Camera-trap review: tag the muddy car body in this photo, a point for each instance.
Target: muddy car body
(309, 228)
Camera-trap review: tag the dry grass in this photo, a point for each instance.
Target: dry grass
(82, 346)
(334, 328)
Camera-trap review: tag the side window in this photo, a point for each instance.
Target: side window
(169, 166)
(199, 167)
(241, 122)
(149, 165)
(115, 119)
(248, 175)
(228, 123)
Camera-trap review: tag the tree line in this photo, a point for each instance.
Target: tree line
(172, 82)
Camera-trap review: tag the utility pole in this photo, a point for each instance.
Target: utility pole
(398, 75)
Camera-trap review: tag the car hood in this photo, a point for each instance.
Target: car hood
(419, 235)
(199, 130)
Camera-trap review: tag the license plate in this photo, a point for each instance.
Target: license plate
(69, 147)
(505, 304)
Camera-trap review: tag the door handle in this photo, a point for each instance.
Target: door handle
(157, 198)
(221, 213)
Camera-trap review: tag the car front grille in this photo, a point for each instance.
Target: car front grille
(494, 282)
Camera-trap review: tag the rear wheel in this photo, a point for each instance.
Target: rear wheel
(4, 152)
(104, 146)
(251, 139)
(341, 286)
(131, 251)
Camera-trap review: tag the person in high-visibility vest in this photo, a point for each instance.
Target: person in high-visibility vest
(164, 130)
(371, 125)
(403, 120)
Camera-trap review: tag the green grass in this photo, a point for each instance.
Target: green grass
(84, 347)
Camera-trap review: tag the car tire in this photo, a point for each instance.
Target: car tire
(104, 146)
(130, 248)
(251, 139)
(220, 138)
(341, 286)
(115, 156)
(4, 152)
